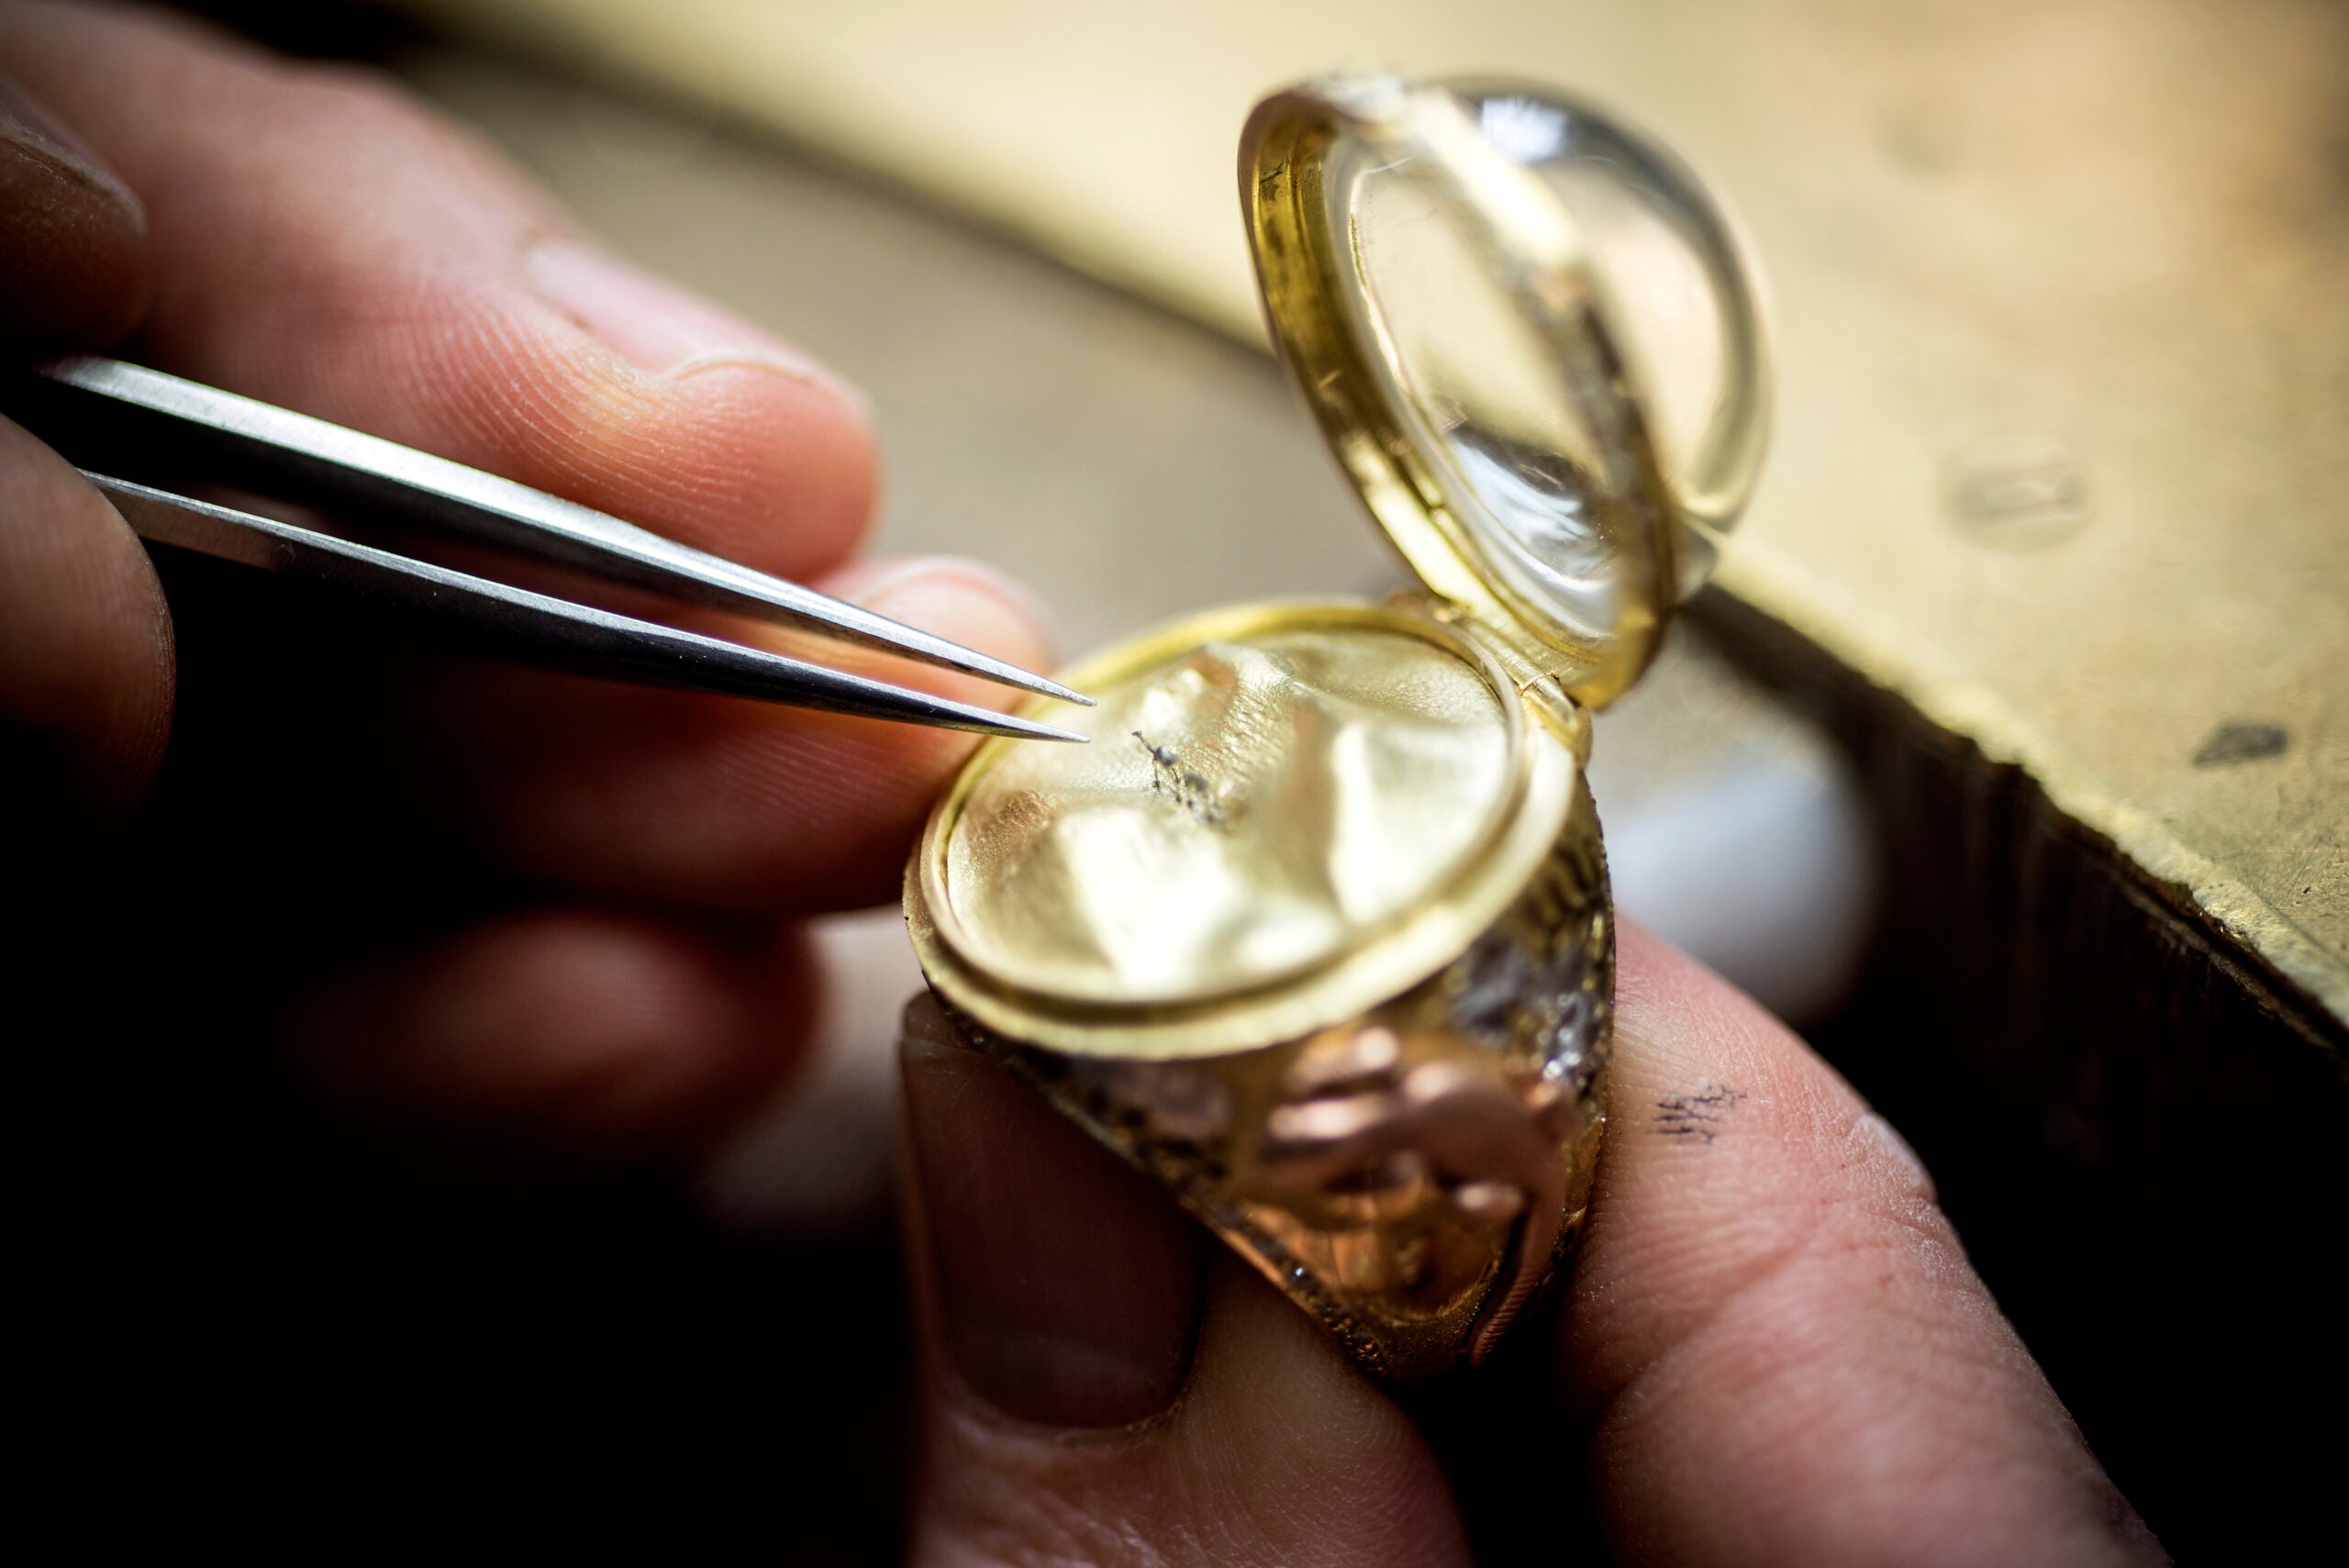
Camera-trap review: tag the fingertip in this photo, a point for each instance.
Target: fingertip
(962, 600)
(770, 456)
(737, 456)
(805, 449)
(662, 328)
(771, 449)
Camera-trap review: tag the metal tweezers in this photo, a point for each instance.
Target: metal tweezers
(137, 434)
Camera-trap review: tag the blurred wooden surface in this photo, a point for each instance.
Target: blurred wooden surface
(2065, 346)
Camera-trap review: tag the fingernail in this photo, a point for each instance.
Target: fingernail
(658, 326)
(1899, 1154)
(1068, 1287)
(912, 592)
(37, 131)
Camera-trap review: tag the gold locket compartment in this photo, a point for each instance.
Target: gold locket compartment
(1389, 1101)
(1528, 334)
(1467, 874)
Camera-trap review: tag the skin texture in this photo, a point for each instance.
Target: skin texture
(74, 256)
(1772, 1350)
(565, 943)
(594, 828)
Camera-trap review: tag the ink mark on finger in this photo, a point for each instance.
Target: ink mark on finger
(1698, 1115)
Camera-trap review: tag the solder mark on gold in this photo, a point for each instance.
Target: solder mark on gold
(1190, 790)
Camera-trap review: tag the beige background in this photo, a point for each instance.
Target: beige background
(2115, 231)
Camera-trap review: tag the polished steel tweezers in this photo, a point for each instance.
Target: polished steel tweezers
(139, 434)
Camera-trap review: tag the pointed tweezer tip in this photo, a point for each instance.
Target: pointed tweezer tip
(1029, 729)
(913, 643)
(1011, 674)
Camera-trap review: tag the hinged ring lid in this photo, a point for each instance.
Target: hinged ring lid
(1529, 335)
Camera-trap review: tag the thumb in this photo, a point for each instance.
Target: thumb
(1097, 1387)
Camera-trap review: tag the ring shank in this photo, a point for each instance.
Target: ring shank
(1408, 1176)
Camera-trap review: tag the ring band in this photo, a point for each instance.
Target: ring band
(1409, 1177)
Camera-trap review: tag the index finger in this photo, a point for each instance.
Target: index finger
(321, 242)
(318, 241)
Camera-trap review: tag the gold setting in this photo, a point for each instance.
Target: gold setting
(1294, 792)
(1396, 1117)
(1410, 1174)
(1545, 768)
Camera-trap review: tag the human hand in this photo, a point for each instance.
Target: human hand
(1771, 1348)
(525, 918)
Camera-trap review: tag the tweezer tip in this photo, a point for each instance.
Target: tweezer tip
(1013, 675)
(1029, 729)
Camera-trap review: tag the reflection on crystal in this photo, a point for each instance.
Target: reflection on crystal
(1537, 498)
(1524, 130)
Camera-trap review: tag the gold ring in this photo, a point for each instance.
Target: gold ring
(1317, 929)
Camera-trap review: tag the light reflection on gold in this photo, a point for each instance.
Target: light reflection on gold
(1246, 811)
